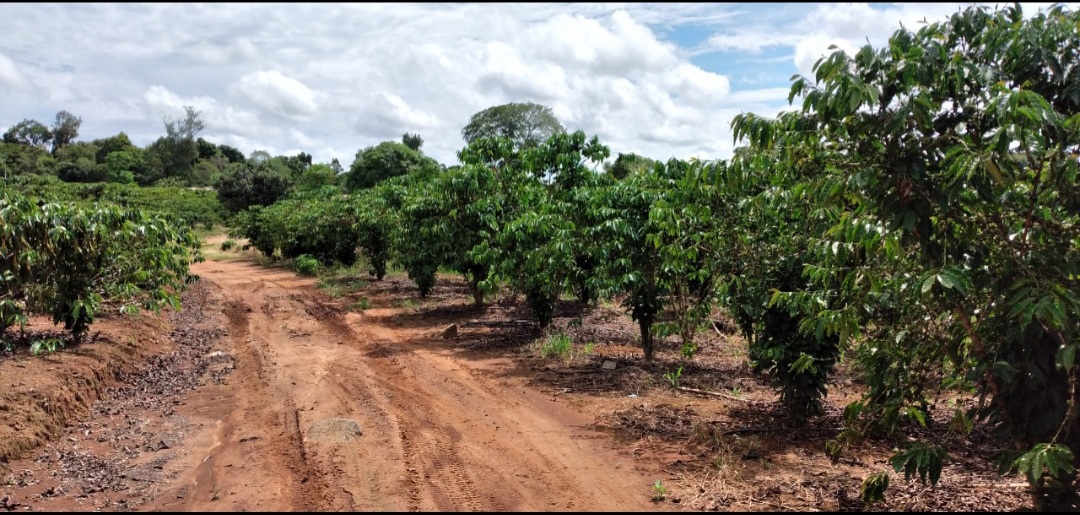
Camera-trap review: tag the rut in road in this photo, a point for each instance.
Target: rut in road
(438, 431)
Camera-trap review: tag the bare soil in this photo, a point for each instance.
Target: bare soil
(264, 393)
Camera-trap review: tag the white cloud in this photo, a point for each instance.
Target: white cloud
(330, 79)
(747, 41)
(11, 78)
(238, 51)
(277, 94)
(302, 139)
(815, 46)
(218, 117)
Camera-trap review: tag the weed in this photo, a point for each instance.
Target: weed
(227, 245)
(673, 377)
(264, 260)
(360, 304)
(659, 491)
(735, 391)
(557, 344)
(407, 304)
(306, 265)
(588, 348)
(340, 281)
(333, 290)
(49, 345)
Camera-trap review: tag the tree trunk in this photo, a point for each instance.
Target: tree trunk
(478, 296)
(645, 323)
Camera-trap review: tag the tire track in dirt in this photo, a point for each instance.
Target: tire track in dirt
(437, 433)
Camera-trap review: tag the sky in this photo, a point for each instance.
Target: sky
(660, 80)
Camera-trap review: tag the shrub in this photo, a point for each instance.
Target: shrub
(306, 265)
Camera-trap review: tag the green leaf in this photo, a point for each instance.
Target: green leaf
(1066, 356)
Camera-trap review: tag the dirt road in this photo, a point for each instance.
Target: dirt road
(330, 410)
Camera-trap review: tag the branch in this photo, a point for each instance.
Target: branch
(714, 394)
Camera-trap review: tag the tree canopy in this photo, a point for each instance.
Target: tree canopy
(383, 161)
(527, 124)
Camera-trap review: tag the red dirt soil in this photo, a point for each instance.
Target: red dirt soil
(437, 431)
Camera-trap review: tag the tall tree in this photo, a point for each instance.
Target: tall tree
(232, 154)
(413, 141)
(527, 124)
(627, 164)
(385, 160)
(179, 148)
(251, 185)
(29, 132)
(118, 143)
(64, 130)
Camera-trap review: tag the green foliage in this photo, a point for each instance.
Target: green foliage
(923, 459)
(64, 130)
(20, 160)
(121, 166)
(231, 154)
(321, 227)
(383, 161)
(361, 304)
(874, 486)
(118, 143)
(306, 265)
(413, 141)
(174, 154)
(526, 124)
(30, 133)
(193, 207)
(534, 252)
(659, 491)
(228, 245)
(315, 177)
(376, 215)
(67, 260)
(629, 164)
(248, 185)
(673, 377)
(420, 242)
(558, 345)
(563, 164)
(457, 214)
(46, 346)
(631, 264)
(1045, 463)
(943, 178)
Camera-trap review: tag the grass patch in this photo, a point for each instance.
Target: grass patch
(306, 265)
(559, 345)
(341, 281)
(360, 304)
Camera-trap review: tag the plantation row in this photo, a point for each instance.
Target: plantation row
(194, 207)
(72, 261)
(919, 213)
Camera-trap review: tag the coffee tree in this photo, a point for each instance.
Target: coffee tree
(953, 152)
(70, 261)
